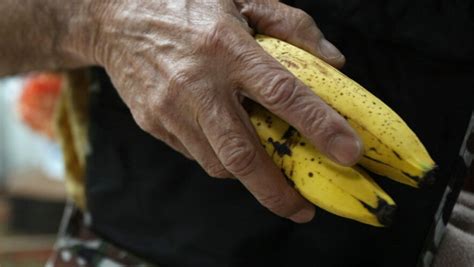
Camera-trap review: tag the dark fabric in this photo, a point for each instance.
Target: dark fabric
(417, 56)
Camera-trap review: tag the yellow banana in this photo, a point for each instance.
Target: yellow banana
(391, 148)
(343, 191)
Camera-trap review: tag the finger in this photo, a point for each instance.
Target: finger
(176, 119)
(242, 155)
(267, 82)
(175, 144)
(158, 131)
(198, 146)
(292, 25)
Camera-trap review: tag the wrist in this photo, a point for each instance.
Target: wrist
(44, 35)
(77, 38)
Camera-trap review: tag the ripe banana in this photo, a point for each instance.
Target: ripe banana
(344, 191)
(391, 149)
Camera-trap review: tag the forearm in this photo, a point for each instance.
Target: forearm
(44, 35)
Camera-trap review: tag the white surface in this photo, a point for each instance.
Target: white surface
(19, 146)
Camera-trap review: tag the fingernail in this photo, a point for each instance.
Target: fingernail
(345, 149)
(328, 50)
(303, 216)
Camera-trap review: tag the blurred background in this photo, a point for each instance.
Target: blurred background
(32, 194)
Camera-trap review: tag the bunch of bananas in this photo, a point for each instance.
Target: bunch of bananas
(391, 149)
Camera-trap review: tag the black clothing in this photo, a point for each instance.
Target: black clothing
(417, 56)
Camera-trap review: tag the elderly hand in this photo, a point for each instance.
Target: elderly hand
(183, 66)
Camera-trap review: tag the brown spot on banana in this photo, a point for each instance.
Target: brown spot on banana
(281, 149)
(290, 64)
(384, 211)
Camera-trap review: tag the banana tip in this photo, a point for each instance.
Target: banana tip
(429, 178)
(385, 213)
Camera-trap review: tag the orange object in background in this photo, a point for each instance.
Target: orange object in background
(38, 101)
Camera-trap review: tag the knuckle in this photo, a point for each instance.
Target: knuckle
(305, 25)
(180, 79)
(216, 35)
(303, 19)
(319, 123)
(181, 83)
(141, 117)
(161, 110)
(237, 154)
(279, 92)
(251, 59)
(274, 202)
(207, 109)
(147, 123)
(216, 170)
(162, 105)
(150, 112)
(225, 37)
(142, 122)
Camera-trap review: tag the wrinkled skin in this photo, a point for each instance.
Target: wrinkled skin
(183, 67)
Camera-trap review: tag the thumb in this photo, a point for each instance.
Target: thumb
(292, 25)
